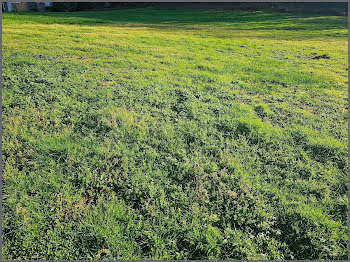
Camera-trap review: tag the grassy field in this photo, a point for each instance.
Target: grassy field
(169, 134)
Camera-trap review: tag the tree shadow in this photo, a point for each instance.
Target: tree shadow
(240, 20)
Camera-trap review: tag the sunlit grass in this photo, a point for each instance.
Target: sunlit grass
(168, 134)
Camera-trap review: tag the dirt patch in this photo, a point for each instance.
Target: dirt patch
(322, 57)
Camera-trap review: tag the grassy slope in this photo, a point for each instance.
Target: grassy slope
(174, 134)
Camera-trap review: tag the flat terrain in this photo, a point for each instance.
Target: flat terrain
(167, 134)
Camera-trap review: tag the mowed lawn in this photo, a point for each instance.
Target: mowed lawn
(167, 134)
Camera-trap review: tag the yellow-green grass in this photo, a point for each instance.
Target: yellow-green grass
(168, 134)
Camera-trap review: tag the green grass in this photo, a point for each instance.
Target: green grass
(168, 134)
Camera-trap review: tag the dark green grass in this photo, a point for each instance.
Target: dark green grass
(168, 134)
(242, 19)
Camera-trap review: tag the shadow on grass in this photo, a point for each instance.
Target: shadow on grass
(244, 20)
